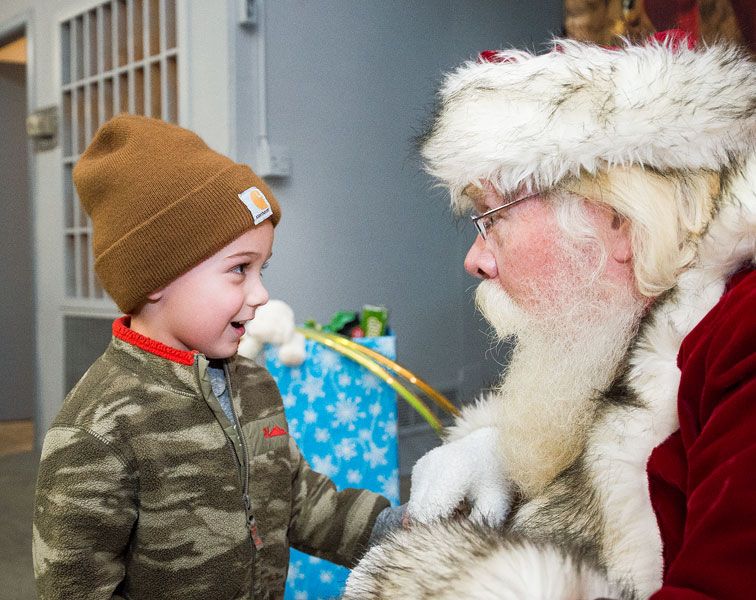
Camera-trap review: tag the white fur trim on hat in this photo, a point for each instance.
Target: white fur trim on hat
(532, 120)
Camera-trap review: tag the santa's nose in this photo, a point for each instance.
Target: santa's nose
(480, 261)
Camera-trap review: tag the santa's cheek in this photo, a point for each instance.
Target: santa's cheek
(523, 266)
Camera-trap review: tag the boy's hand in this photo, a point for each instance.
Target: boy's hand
(389, 519)
(468, 470)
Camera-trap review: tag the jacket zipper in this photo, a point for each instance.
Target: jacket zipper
(251, 522)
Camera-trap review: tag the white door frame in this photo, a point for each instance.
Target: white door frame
(24, 23)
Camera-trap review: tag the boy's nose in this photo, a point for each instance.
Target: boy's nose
(258, 295)
(480, 262)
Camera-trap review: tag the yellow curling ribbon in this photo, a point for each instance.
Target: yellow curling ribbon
(337, 343)
(442, 401)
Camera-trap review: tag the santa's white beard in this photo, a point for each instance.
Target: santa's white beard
(568, 350)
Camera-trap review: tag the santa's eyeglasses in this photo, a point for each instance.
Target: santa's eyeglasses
(483, 223)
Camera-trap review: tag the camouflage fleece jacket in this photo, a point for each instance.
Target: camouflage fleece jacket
(146, 491)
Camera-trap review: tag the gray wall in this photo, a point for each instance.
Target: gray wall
(16, 275)
(350, 83)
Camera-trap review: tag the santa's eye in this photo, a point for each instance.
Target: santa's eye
(490, 220)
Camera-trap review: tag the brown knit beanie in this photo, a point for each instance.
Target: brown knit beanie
(161, 202)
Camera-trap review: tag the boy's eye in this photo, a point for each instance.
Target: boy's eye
(241, 269)
(266, 264)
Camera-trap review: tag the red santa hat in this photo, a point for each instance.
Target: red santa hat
(517, 119)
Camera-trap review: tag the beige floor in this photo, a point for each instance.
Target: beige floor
(16, 437)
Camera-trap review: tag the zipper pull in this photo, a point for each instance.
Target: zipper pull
(252, 524)
(253, 533)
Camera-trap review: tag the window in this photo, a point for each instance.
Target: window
(120, 56)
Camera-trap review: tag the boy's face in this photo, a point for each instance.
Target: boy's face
(205, 308)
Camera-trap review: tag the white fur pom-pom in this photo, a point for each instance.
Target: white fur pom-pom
(273, 323)
(292, 353)
(249, 347)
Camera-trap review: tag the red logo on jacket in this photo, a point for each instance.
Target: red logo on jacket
(269, 432)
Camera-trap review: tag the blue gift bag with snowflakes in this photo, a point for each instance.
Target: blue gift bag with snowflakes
(344, 421)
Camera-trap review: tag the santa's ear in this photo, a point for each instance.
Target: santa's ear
(621, 248)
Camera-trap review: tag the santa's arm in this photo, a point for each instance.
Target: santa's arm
(716, 558)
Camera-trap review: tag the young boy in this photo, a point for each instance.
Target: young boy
(168, 472)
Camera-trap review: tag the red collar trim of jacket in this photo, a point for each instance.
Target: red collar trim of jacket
(122, 331)
(737, 277)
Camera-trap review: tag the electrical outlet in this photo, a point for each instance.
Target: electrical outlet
(271, 161)
(280, 162)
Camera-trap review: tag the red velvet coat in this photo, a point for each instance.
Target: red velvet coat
(702, 479)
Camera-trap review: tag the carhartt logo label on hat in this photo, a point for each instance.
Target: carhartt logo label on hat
(257, 204)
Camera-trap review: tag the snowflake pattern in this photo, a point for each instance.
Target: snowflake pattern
(376, 455)
(345, 449)
(370, 382)
(312, 388)
(390, 484)
(324, 465)
(329, 360)
(386, 345)
(346, 412)
(289, 400)
(390, 429)
(344, 421)
(295, 574)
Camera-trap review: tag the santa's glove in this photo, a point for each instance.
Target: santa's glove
(467, 470)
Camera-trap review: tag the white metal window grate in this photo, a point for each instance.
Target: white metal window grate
(120, 56)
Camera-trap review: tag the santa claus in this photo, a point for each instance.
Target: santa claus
(613, 194)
